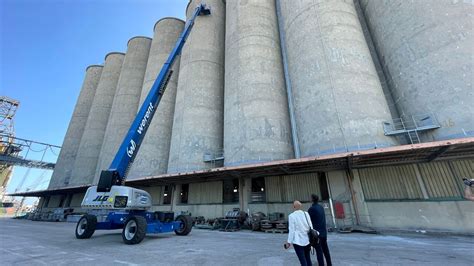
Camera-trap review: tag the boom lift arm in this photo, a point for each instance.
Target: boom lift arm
(127, 151)
(115, 206)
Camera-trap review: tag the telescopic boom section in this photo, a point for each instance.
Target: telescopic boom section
(118, 169)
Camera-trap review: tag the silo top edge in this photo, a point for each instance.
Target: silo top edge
(135, 37)
(111, 53)
(223, 1)
(93, 66)
(187, 6)
(154, 27)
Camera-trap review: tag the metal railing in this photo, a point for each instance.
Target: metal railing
(411, 123)
(410, 126)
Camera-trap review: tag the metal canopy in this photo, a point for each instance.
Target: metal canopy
(405, 154)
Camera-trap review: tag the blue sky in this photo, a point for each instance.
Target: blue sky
(45, 47)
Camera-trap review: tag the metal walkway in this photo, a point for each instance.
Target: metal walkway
(411, 126)
(13, 148)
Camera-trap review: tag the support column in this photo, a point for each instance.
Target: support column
(244, 193)
(175, 196)
(364, 214)
(350, 178)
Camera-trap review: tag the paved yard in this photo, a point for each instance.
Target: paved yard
(47, 243)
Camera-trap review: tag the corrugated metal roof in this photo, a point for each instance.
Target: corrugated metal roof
(397, 155)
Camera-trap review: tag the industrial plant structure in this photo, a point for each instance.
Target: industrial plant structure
(367, 103)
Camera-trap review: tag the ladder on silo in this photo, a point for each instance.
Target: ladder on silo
(413, 136)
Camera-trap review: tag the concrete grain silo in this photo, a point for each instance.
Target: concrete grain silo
(72, 139)
(125, 103)
(198, 116)
(152, 158)
(91, 142)
(426, 49)
(256, 121)
(339, 102)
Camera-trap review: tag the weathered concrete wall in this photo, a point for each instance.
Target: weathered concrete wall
(72, 139)
(426, 51)
(455, 216)
(256, 118)
(125, 102)
(198, 116)
(152, 158)
(378, 66)
(339, 102)
(94, 131)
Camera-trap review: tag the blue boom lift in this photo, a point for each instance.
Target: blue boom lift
(120, 207)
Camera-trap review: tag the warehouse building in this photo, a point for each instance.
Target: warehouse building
(367, 103)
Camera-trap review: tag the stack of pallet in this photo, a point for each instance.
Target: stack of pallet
(275, 224)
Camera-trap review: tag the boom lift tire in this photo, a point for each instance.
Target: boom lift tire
(186, 225)
(85, 227)
(134, 230)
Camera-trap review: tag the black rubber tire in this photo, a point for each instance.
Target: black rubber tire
(88, 227)
(140, 230)
(186, 225)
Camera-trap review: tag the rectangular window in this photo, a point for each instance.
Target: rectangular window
(184, 193)
(231, 190)
(258, 190)
(323, 186)
(167, 195)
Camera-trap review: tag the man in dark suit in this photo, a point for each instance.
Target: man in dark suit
(318, 219)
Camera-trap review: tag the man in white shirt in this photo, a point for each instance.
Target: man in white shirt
(299, 224)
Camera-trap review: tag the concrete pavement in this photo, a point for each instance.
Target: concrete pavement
(25, 242)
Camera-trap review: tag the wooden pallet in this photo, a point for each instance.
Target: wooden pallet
(229, 229)
(276, 231)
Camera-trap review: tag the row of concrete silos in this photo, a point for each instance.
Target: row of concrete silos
(230, 98)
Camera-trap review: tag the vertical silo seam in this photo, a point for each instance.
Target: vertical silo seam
(289, 89)
(332, 83)
(384, 79)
